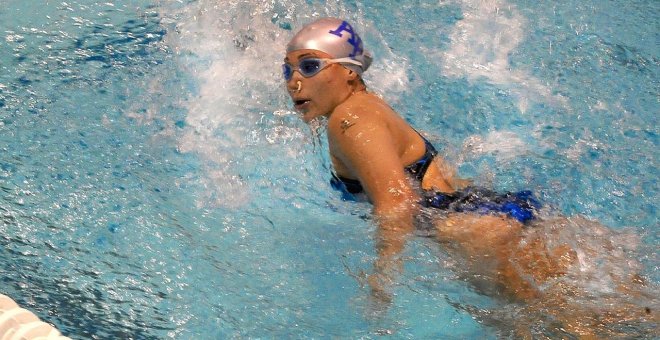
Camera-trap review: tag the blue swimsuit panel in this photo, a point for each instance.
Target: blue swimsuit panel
(520, 205)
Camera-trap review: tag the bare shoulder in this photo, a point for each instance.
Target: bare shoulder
(358, 130)
(358, 113)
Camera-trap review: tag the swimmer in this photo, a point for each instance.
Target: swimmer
(376, 152)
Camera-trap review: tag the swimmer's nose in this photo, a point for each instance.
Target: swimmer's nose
(295, 76)
(294, 84)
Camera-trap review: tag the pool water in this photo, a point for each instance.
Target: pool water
(156, 183)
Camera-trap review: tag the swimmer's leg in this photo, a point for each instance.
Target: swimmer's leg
(480, 235)
(493, 247)
(487, 243)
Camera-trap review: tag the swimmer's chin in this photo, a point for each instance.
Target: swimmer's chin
(306, 116)
(308, 119)
(303, 116)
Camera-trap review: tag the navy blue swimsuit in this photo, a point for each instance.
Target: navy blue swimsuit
(520, 205)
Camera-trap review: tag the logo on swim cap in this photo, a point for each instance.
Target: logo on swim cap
(335, 37)
(354, 40)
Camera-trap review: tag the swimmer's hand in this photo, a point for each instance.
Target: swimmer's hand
(442, 177)
(386, 271)
(458, 183)
(378, 284)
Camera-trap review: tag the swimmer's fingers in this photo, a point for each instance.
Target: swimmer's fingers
(379, 299)
(378, 284)
(386, 270)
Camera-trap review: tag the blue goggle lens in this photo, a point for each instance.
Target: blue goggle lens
(306, 67)
(287, 71)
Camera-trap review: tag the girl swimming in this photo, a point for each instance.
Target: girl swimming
(375, 151)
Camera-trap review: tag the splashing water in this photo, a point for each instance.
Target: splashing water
(240, 90)
(156, 184)
(481, 43)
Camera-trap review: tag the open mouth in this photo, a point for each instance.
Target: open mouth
(300, 103)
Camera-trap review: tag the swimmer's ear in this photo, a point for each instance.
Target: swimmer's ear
(352, 74)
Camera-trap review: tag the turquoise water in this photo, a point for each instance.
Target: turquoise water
(156, 184)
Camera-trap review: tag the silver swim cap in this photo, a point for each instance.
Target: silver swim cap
(335, 37)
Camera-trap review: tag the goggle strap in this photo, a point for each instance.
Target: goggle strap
(346, 60)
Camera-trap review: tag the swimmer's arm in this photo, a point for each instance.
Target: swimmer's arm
(442, 177)
(364, 145)
(367, 150)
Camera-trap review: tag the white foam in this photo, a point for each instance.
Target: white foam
(480, 47)
(388, 75)
(505, 145)
(233, 51)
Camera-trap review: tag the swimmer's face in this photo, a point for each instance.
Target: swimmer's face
(321, 93)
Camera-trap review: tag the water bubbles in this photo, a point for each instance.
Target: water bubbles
(11, 38)
(505, 145)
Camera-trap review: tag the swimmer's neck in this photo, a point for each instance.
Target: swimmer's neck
(358, 90)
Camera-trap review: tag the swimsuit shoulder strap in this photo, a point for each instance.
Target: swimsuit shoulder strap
(418, 169)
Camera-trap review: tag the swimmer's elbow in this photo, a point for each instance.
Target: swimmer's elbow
(395, 222)
(392, 209)
(396, 215)
(394, 204)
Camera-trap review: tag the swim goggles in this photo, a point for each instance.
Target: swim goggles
(311, 66)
